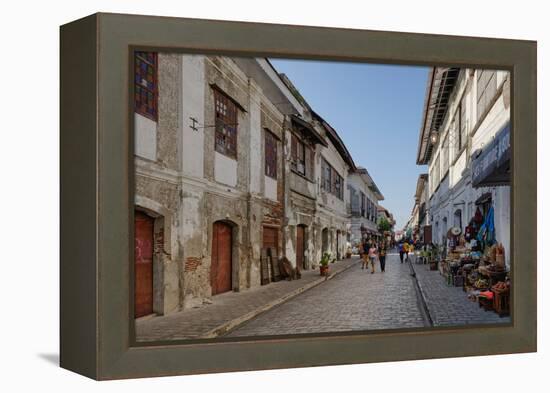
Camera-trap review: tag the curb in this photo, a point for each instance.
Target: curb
(421, 299)
(234, 323)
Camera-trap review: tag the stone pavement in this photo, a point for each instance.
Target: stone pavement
(231, 309)
(354, 300)
(449, 305)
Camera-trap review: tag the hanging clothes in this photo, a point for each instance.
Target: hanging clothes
(486, 233)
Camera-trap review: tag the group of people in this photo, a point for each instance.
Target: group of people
(404, 249)
(371, 251)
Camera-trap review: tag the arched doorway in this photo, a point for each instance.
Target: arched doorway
(222, 261)
(143, 264)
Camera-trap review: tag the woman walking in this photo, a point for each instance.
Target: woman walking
(382, 257)
(372, 256)
(401, 251)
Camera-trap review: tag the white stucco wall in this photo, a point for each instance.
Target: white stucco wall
(270, 188)
(225, 170)
(455, 191)
(335, 160)
(145, 137)
(192, 105)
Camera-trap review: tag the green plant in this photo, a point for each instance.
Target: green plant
(325, 259)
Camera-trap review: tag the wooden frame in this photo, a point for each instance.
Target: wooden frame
(97, 201)
(153, 91)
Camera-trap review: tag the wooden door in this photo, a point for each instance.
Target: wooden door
(143, 264)
(271, 238)
(220, 271)
(300, 237)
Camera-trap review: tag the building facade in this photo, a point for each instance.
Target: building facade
(230, 161)
(364, 205)
(465, 141)
(421, 198)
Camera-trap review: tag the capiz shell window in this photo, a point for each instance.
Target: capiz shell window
(146, 84)
(226, 125)
(270, 155)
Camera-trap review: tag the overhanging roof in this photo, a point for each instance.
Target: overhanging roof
(441, 82)
(336, 141)
(420, 184)
(370, 182)
(309, 131)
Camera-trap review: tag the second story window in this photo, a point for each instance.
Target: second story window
(270, 155)
(486, 90)
(301, 157)
(331, 180)
(363, 207)
(146, 84)
(226, 125)
(463, 131)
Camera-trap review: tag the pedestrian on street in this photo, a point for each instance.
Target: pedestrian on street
(382, 257)
(401, 251)
(406, 250)
(372, 256)
(365, 256)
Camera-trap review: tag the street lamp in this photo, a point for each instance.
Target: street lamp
(433, 137)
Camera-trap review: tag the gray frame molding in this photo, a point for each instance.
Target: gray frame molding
(97, 197)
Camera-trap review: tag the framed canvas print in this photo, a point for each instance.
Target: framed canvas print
(241, 196)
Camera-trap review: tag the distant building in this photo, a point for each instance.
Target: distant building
(421, 197)
(364, 198)
(383, 213)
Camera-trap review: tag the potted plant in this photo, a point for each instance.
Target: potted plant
(325, 260)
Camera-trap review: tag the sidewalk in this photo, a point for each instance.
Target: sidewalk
(231, 309)
(449, 305)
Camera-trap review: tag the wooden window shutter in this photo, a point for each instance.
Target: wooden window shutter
(294, 147)
(310, 162)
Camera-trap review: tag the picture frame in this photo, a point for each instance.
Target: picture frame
(97, 198)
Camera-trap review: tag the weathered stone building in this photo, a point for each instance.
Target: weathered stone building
(316, 192)
(209, 176)
(364, 199)
(229, 161)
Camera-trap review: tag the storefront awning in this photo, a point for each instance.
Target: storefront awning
(491, 166)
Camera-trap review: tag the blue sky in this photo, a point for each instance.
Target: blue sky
(377, 110)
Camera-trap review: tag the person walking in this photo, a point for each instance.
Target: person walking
(365, 254)
(372, 256)
(401, 251)
(382, 257)
(406, 250)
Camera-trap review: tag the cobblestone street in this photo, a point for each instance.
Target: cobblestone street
(448, 305)
(229, 308)
(354, 300)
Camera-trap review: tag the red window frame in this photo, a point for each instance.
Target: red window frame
(270, 155)
(146, 84)
(225, 141)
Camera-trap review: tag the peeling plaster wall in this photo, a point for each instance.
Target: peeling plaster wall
(167, 261)
(169, 66)
(192, 106)
(228, 190)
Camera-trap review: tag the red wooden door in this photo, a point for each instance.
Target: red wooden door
(143, 264)
(220, 270)
(300, 247)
